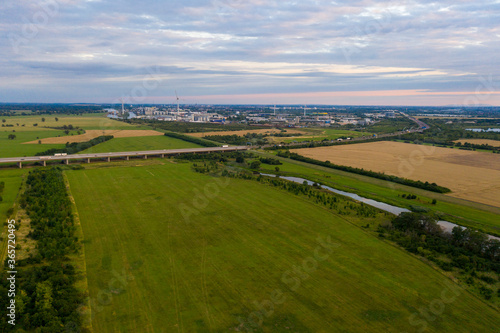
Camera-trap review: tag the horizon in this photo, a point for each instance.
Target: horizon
(233, 52)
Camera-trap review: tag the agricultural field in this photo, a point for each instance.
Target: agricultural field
(473, 176)
(323, 134)
(195, 253)
(463, 212)
(493, 143)
(243, 132)
(96, 121)
(139, 143)
(92, 134)
(26, 141)
(17, 146)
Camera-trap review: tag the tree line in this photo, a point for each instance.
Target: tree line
(75, 147)
(192, 139)
(404, 181)
(466, 250)
(46, 297)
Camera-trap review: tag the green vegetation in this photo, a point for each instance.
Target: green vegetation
(46, 297)
(467, 251)
(182, 127)
(327, 134)
(17, 147)
(75, 147)
(413, 183)
(220, 248)
(463, 212)
(391, 125)
(192, 139)
(253, 138)
(140, 143)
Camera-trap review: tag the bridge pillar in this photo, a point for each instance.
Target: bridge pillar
(127, 158)
(162, 155)
(20, 165)
(44, 163)
(66, 161)
(145, 157)
(88, 160)
(108, 159)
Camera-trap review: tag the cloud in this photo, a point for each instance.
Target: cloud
(237, 47)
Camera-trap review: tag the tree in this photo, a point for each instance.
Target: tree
(12, 136)
(3, 120)
(43, 120)
(255, 165)
(57, 119)
(277, 169)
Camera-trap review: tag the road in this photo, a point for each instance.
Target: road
(127, 154)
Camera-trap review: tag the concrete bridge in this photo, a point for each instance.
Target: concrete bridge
(108, 156)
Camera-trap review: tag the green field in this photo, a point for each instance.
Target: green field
(150, 269)
(17, 146)
(324, 134)
(85, 121)
(140, 143)
(452, 209)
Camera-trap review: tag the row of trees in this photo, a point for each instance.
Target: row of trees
(75, 147)
(46, 297)
(413, 183)
(469, 251)
(192, 139)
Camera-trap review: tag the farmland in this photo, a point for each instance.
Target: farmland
(87, 121)
(91, 134)
(470, 175)
(493, 143)
(211, 270)
(243, 132)
(139, 143)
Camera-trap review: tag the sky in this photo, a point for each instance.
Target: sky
(251, 52)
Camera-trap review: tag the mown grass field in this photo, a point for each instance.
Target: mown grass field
(151, 270)
(140, 143)
(461, 211)
(323, 134)
(94, 121)
(12, 179)
(18, 146)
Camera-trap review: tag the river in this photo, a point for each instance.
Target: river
(445, 225)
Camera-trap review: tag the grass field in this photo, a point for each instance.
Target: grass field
(460, 211)
(97, 121)
(323, 134)
(473, 176)
(16, 147)
(243, 132)
(92, 134)
(150, 270)
(140, 143)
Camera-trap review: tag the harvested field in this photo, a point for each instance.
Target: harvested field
(493, 143)
(91, 134)
(473, 176)
(241, 133)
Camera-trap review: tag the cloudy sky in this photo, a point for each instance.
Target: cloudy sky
(251, 51)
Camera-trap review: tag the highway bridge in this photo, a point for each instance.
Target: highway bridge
(108, 156)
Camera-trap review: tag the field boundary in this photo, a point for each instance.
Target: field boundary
(79, 260)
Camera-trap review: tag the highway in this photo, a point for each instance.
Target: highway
(108, 156)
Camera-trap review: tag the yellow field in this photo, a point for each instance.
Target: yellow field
(493, 143)
(473, 176)
(258, 131)
(91, 134)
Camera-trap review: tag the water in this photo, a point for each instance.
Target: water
(497, 130)
(445, 225)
